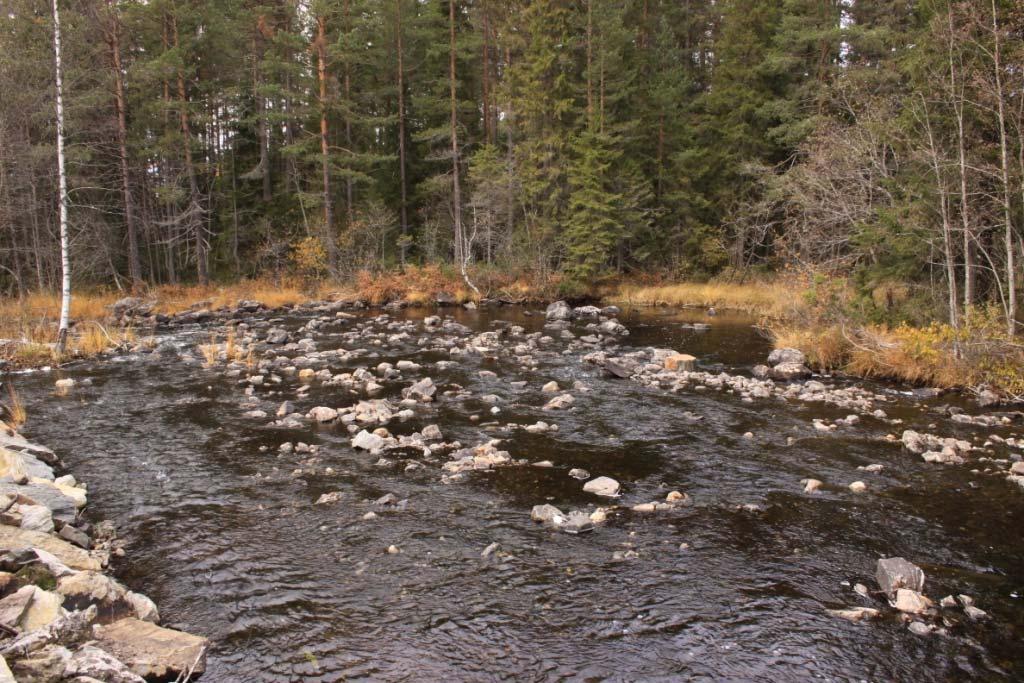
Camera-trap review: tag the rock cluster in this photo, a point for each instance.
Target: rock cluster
(64, 619)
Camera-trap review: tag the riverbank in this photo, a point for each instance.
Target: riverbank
(62, 617)
(976, 357)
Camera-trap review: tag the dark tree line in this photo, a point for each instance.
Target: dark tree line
(229, 138)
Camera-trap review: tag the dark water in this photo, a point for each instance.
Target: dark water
(229, 544)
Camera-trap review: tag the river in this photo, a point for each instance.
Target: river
(223, 533)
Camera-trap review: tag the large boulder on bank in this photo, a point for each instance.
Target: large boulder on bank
(63, 508)
(559, 310)
(69, 555)
(789, 371)
(111, 598)
(151, 651)
(894, 573)
(21, 467)
(30, 608)
(787, 355)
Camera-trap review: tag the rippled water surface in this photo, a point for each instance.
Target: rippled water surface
(225, 536)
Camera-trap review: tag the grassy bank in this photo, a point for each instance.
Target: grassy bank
(28, 325)
(823, 323)
(828, 323)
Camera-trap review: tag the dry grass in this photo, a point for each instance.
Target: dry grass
(771, 299)
(16, 413)
(419, 286)
(31, 321)
(975, 355)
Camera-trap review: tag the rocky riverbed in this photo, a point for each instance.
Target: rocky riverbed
(527, 494)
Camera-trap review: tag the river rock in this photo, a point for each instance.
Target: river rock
(368, 441)
(151, 651)
(36, 518)
(855, 614)
(602, 486)
(322, 414)
(811, 485)
(39, 492)
(893, 573)
(786, 355)
(23, 466)
(623, 368)
(30, 608)
(576, 522)
(67, 554)
(90, 663)
(5, 672)
(422, 391)
(559, 310)
(612, 327)
(681, 361)
(550, 388)
(45, 665)
(93, 588)
(911, 601)
(789, 371)
(560, 402)
(548, 514)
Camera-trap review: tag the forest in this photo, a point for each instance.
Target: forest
(882, 142)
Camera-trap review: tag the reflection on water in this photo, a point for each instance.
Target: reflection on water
(226, 539)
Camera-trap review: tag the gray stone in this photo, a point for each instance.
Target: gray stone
(62, 508)
(786, 355)
(547, 514)
(151, 651)
(893, 573)
(602, 486)
(559, 310)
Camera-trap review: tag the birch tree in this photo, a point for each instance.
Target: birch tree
(65, 256)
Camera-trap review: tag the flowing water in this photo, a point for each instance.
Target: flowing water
(225, 537)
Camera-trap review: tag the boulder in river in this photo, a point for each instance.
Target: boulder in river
(622, 368)
(322, 414)
(368, 441)
(422, 391)
(548, 514)
(893, 573)
(786, 355)
(681, 361)
(789, 371)
(559, 310)
(602, 486)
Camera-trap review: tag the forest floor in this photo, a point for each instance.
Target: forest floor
(975, 357)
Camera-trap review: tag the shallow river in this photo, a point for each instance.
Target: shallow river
(226, 538)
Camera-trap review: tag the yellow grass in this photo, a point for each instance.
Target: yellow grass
(770, 299)
(16, 413)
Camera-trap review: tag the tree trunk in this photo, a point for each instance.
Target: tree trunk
(947, 228)
(195, 209)
(957, 96)
(325, 159)
(404, 208)
(114, 42)
(65, 247)
(1004, 164)
(460, 240)
(349, 185)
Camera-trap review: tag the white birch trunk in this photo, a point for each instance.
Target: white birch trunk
(65, 257)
